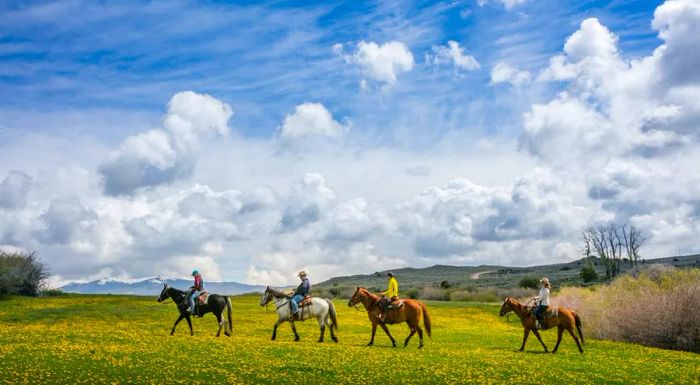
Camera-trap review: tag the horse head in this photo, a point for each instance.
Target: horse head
(357, 297)
(163, 294)
(507, 306)
(266, 297)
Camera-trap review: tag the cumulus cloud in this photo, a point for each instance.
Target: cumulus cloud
(161, 156)
(381, 63)
(67, 220)
(623, 125)
(453, 54)
(14, 189)
(307, 202)
(506, 73)
(310, 120)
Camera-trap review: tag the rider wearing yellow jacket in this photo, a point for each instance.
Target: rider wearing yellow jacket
(390, 295)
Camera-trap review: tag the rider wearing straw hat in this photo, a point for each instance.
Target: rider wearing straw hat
(302, 291)
(542, 301)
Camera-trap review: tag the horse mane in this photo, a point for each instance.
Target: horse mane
(369, 294)
(277, 293)
(177, 291)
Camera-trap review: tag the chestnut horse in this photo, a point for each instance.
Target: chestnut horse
(405, 310)
(566, 319)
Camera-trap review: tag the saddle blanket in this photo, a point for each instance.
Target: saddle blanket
(203, 298)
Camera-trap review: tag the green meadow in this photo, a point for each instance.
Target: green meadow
(81, 339)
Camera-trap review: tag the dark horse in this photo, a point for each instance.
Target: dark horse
(565, 319)
(216, 304)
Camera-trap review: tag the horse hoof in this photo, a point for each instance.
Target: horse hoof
(319, 341)
(335, 339)
(372, 343)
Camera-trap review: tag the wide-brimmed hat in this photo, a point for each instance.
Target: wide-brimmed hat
(390, 274)
(544, 280)
(301, 273)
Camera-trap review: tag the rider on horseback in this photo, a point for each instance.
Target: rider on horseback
(195, 290)
(542, 301)
(302, 291)
(390, 295)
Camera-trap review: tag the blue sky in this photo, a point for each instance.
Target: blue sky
(257, 139)
(135, 56)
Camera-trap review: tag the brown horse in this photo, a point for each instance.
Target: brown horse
(405, 310)
(566, 319)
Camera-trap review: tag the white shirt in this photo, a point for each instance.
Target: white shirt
(544, 296)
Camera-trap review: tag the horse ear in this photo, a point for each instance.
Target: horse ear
(358, 288)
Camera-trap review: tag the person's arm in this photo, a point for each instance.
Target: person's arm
(307, 288)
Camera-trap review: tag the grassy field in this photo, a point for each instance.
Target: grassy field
(122, 339)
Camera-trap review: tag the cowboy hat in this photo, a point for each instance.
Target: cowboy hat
(301, 273)
(544, 280)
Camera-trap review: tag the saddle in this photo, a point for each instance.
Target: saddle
(203, 298)
(306, 301)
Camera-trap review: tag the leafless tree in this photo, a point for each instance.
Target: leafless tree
(634, 240)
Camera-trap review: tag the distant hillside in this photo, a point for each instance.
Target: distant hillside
(561, 274)
(153, 286)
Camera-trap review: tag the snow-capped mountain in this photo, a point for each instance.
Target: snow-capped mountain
(153, 286)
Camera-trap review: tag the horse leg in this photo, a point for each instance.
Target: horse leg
(386, 330)
(374, 331)
(527, 333)
(274, 330)
(322, 325)
(537, 334)
(218, 318)
(294, 329)
(573, 335)
(333, 337)
(560, 331)
(177, 322)
(189, 323)
(323, 330)
(413, 331)
(420, 335)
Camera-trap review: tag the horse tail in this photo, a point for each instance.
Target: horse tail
(426, 319)
(228, 314)
(578, 325)
(331, 311)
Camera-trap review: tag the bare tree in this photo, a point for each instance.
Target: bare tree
(607, 241)
(634, 240)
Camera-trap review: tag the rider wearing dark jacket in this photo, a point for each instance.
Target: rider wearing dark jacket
(303, 290)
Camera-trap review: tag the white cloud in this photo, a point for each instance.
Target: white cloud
(382, 63)
(452, 53)
(504, 72)
(14, 189)
(309, 120)
(161, 156)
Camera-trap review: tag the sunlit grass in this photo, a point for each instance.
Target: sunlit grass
(121, 339)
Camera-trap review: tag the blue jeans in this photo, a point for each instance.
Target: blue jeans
(538, 312)
(295, 302)
(194, 295)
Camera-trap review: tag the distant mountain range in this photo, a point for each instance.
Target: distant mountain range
(154, 285)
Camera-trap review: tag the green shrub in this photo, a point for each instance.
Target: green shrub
(529, 282)
(52, 293)
(412, 293)
(588, 273)
(21, 273)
